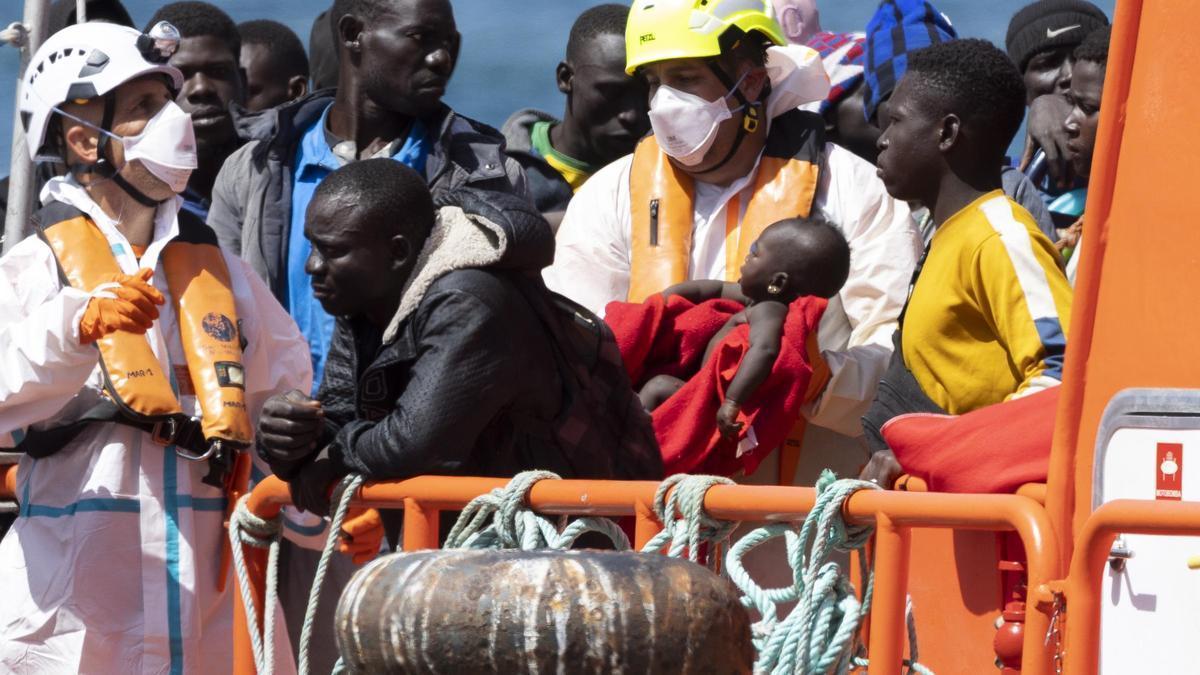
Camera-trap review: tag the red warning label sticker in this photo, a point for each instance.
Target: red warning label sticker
(1169, 472)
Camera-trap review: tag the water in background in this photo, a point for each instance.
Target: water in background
(510, 48)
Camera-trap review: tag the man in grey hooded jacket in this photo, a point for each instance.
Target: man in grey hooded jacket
(387, 104)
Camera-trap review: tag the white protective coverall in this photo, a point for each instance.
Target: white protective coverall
(112, 565)
(592, 266)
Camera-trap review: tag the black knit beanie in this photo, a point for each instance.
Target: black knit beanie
(1049, 24)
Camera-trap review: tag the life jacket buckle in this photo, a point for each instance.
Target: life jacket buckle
(164, 432)
(214, 449)
(221, 456)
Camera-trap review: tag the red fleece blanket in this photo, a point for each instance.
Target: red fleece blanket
(998, 448)
(660, 337)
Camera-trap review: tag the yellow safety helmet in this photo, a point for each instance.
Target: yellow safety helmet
(659, 30)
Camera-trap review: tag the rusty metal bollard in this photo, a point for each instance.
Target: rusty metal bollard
(541, 612)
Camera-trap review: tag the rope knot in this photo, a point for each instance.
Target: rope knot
(251, 529)
(832, 494)
(819, 635)
(679, 506)
(502, 519)
(15, 34)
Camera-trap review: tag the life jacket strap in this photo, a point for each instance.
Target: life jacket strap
(186, 434)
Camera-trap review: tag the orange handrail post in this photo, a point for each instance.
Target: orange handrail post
(886, 647)
(8, 486)
(420, 526)
(1123, 516)
(646, 524)
(266, 501)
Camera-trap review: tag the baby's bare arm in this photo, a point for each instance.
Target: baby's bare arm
(700, 290)
(766, 333)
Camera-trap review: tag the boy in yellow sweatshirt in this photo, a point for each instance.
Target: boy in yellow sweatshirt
(987, 316)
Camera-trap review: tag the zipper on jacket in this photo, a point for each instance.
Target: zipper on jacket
(654, 222)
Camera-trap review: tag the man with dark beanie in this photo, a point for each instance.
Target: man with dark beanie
(1041, 39)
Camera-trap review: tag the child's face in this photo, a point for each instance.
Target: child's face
(909, 156)
(761, 265)
(1087, 85)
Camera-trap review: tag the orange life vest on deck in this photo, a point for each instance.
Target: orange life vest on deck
(661, 198)
(200, 288)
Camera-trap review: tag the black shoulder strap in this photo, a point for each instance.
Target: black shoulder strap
(39, 443)
(53, 213)
(797, 134)
(193, 230)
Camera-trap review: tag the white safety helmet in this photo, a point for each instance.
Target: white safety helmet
(84, 61)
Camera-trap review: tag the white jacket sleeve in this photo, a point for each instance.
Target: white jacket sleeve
(276, 361)
(276, 358)
(591, 260)
(42, 364)
(856, 333)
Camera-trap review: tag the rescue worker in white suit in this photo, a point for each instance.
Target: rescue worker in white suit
(134, 358)
(730, 155)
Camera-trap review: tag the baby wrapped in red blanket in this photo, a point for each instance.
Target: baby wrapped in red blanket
(724, 368)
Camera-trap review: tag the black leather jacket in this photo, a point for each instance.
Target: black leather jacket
(467, 386)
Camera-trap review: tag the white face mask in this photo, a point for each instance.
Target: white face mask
(685, 125)
(166, 146)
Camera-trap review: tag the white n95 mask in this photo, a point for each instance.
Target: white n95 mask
(166, 146)
(685, 125)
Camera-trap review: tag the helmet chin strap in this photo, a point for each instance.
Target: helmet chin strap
(750, 114)
(104, 168)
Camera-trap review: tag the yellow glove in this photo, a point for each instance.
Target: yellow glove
(125, 303)
(362, 533)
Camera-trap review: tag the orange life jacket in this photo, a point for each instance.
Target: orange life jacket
(199, 285)
(661, 198)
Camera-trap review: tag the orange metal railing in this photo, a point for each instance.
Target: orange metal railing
(8, 481)
(895, 514)
(1091, 555)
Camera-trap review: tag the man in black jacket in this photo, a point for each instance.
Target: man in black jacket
(440, 363)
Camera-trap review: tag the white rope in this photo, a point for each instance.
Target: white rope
(342, 496)
(15, 34)
(686, 525)
(247, 528)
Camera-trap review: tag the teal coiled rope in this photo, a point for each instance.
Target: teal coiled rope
(687, 527)
(502, 519)
(819, 635)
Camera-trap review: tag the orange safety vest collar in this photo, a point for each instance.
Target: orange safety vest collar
(662, 198)
(199, 284)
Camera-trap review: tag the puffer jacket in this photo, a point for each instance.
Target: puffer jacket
(462, 381)
(251, 209)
